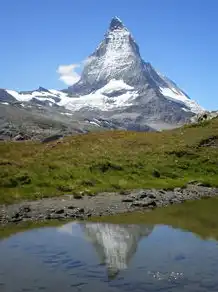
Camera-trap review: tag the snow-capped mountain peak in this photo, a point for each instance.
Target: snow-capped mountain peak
(116, 84)
(116, 23)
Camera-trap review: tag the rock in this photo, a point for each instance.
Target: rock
(78, 196)
(79, 216)
(172, 201)
(162, 191)
(15, 215)
(59, 211)
(21, 137)
(15, 220)
(124, 193)
(82, 210)
(177, 189)
(152, 196)
(25, 209)
(69, 215)
(41, 217)
(79, 210)
(143, 203)
(143, 195)
(57, 216)
(71, 207)
(128, 200)
(48, 217)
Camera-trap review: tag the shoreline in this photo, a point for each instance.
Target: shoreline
(67, 207)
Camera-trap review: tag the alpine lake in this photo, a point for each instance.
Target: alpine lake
(168, 249)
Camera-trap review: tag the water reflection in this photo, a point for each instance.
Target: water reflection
(114, 244)
(80, 257)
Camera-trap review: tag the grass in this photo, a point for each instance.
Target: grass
(199, 217)
(107, 161)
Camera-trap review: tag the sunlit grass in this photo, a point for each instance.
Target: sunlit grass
(107, 161)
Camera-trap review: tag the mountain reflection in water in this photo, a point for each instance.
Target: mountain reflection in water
(108, 257)
(114, 244)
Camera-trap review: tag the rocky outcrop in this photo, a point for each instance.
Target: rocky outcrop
(204, 116)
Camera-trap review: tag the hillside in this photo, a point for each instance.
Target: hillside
(111, 160)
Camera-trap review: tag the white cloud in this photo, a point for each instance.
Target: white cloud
(68, 74)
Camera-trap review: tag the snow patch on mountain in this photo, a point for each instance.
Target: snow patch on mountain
(115, 85)
(18, 96)
(179, 96)
(34, 94)
(99, 100)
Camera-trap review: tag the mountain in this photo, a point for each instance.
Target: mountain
(131, 85)
(117, 90)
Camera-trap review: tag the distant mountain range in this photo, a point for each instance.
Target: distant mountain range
(117, 90)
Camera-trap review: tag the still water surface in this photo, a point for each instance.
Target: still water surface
(108, 257)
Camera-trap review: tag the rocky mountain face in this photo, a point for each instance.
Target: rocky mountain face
(117, 90)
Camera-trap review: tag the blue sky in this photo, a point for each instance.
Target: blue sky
(179, 38)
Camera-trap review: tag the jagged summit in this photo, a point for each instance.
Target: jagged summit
(41, 89)
(116, 23)
(117, 57)
(116, 60)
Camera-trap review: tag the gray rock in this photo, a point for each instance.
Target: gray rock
(128, 200)
(59, 211)
(152, 196)
(125, 193)
(144, 203)
(21, 137)
(25, 209)
(71, 207)
(143, 194)
(57, 216)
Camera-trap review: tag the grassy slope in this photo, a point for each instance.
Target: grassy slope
(109, 160)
